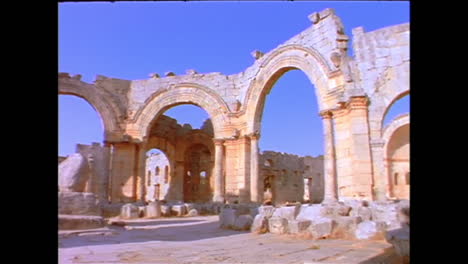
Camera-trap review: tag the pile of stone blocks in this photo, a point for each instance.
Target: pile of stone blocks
(158, 209)
(348, 220)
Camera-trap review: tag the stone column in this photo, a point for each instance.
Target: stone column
(330, 161)
(256, 194)
(218, 171)
(381, 183)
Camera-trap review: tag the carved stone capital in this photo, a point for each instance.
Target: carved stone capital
(358, 102)
(218, 141)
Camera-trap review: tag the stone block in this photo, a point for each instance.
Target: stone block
(399, 238)
(73, 173)
(260, 224)
(78, 203)
(348, 223)
(227, 218)
(310, 212)
(178, 210)
(193, 212)
(287, 212)
(129, 211)
(364, 212)
(266, 210)
(278, 225)
(243, 222)
(321, 227)
(335, 210)
(141, 211)
(153, 210)
(298, 226)
(166, 210)
(369, 230)
(189, 206)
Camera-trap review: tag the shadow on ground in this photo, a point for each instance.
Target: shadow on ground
(193, 232)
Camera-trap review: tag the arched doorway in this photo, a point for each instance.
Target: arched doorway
(198, 174)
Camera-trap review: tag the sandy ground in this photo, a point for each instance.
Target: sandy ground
(199, 240)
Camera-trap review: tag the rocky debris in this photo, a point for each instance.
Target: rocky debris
(298, 226)
(178, 210)
(153, 209)
(335, 209)
(243, 222)
(78, 203)
(129, 211)
(73, 173)
(227, 218)
(385, 212)
(321, 227)
(278, 225)
(193, 212)
(189, 206)
(399, 238)
(266, 210)
(165, 210)
(364, 212)
(370, 230)
(260, 224)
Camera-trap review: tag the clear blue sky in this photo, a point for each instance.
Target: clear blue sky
(130, 40)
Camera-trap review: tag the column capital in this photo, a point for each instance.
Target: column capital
(358, 102)
(326, 114)
(255, 135)
(218, 141)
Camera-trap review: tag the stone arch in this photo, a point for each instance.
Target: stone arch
(104, 107)
(308, 60)
(401, 122)
(183, 93)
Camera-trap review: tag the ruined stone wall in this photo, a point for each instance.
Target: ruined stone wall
(291, 176)
(98, 160)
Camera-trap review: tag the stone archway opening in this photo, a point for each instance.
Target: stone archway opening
(176, 131)
(291, 164)
(157, 167)
(398, 162)
(79, 123)
(400, 106)
(198, 180)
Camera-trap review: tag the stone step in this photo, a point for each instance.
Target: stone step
(72, 222)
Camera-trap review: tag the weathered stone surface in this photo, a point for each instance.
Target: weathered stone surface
(260, 224)
(278, 225)
(364, 212)
(78, 203)
(321, 227)
(298, 226)
(73, 173)
(178, 210)
(165, 210)
(129, 211)
(287, 212)
(243, 222)
(153, 209)
(310, 212)
(141, 211)
(399, 238)
(70, 222)
(266, 210)
(336, 209)
(348, 223)
(193, 212)
(227, 218)
(385, 212)
(189, 206)
(369, 229)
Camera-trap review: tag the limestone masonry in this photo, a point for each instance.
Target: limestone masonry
(221, 162)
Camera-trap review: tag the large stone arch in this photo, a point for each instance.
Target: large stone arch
(104, 107)
(183, 93)
(286, 58)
